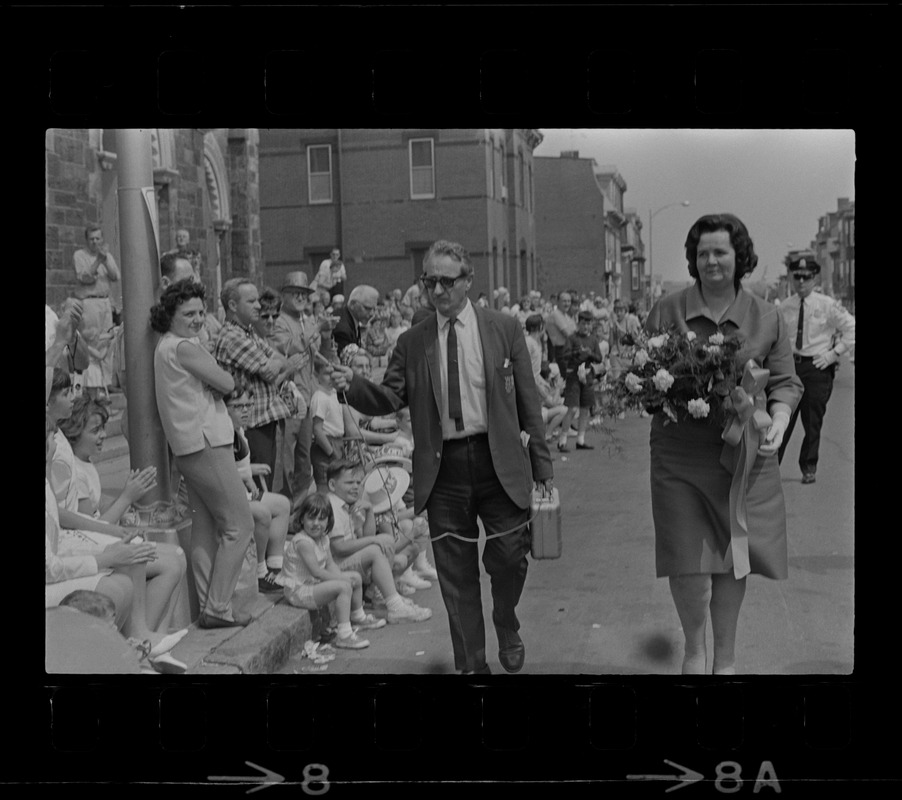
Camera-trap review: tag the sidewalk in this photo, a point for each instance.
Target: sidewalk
(264, 646)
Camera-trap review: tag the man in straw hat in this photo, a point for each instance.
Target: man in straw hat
(480, 449)
(297, 334)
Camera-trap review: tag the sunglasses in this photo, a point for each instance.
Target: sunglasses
(269, 316)
(429, 281)
(802, 276)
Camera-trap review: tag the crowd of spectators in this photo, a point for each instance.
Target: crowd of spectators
(254, 381)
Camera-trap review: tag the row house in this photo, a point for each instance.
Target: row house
(636, 288)
(204, 180)
(616, 263)
(383, 195)
(570, 224)
(834, 247)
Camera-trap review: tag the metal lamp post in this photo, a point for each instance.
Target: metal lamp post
(651, 216)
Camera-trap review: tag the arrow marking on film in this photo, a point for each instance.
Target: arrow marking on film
(688, 777)
(268, 778)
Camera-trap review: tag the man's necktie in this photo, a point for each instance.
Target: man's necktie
(455, 410)
(801, 324)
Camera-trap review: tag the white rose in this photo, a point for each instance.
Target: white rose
(699, 408)
(690, 336)
(633, 383)
(663, 380)
(657, 341)
(715, 338)
(641, 358)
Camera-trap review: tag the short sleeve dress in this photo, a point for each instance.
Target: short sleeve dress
(689, 486)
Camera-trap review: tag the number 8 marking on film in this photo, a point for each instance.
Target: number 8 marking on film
(316, 774)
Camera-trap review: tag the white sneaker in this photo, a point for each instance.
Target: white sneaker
(369, 622)
(424, 569)
(352, 642)
(410, 613)
(411, 578)
(404, 589)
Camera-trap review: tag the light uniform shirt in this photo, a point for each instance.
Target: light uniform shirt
(824, 318)
(472, 374)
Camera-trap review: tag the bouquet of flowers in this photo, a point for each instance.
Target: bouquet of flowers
(679, 373)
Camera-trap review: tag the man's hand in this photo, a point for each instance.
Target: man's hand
(341, 377)
(270, 370)
(545, 488)
(68, 321)
(826, 359)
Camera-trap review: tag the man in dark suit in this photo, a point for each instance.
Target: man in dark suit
(354, 316)
(480, 446)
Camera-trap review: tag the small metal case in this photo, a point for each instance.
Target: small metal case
(545, 528)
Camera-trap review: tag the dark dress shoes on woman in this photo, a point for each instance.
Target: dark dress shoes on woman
(512, 651)
(240, 620)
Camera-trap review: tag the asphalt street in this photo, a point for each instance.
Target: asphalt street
(599, 609)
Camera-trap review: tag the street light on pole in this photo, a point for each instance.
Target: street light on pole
(651, 216)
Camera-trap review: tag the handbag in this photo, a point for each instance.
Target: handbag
(546, 540)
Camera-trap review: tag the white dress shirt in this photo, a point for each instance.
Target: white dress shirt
(472, 374)
(824, 318)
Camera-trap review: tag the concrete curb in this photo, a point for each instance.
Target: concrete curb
(263, 647)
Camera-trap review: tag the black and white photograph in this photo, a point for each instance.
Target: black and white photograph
(450, 401)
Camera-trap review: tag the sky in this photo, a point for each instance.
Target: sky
(778, 182)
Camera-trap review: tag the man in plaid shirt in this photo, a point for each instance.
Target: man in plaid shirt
(241, 351)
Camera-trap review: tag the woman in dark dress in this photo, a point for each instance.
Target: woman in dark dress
(698, 544)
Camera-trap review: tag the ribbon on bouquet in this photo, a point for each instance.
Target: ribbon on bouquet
(741, 436)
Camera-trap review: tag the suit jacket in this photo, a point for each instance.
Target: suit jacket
(413, 378)
(346, 330)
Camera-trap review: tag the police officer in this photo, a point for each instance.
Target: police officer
(821, 330)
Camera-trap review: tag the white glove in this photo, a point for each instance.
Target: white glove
(774, 436)
(581, 373)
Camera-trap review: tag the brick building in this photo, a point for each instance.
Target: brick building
(384, 195)
(585, 239)
(205, 180)
(834, 247)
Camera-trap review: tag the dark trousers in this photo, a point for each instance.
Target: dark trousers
(262, 443)
(466, 489)
(818, 385)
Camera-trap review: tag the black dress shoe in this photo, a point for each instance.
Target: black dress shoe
(484, 670)
(512, 651)
(240, 620)
(585, 446)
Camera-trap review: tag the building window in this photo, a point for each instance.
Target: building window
(422, 169)
(529, 201)
(503, 175)
(319, 168)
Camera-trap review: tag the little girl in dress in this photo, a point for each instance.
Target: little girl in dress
(311, 579)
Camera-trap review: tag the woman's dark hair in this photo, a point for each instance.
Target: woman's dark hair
(534, 322)
(318, 506)
(746, 258)
(173, 296)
